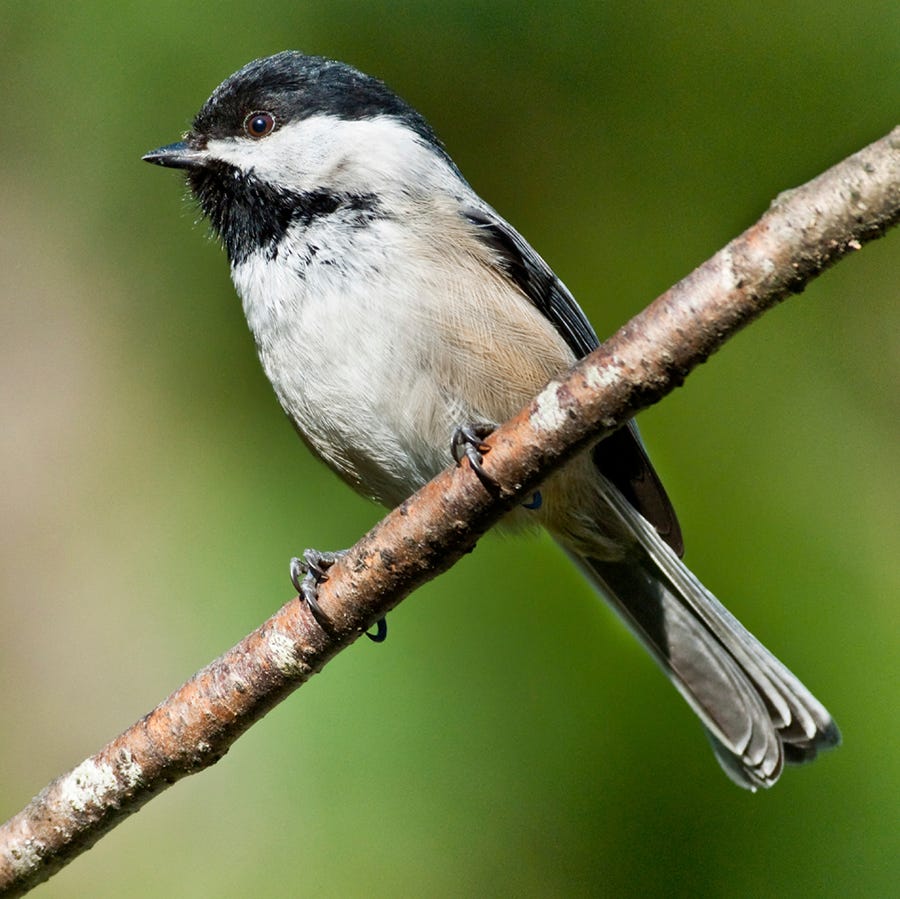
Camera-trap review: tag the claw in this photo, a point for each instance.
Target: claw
(380, 634)
(310, 571)
(468, 442)
(306, 575)
(535, 502)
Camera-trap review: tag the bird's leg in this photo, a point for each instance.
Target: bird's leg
(310, 571)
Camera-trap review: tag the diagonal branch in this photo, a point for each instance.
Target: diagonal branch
(805, 231)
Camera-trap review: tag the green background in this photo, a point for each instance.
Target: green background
(510, 738)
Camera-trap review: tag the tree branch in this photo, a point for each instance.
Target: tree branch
(805, 231)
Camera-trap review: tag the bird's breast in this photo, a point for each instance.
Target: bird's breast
(378, 347)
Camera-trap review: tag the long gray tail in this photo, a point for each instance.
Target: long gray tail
(757, 713)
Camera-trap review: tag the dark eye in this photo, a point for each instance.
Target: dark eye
(259, 124)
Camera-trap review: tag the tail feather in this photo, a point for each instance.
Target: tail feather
(758, 714)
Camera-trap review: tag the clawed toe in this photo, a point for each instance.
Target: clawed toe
(380, 634)
(308, 572)
(468, 442)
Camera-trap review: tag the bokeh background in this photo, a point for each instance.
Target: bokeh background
(510, 738)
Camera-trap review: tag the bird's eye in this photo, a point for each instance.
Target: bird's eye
(259, 124)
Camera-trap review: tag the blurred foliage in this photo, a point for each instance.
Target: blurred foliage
(510, 738)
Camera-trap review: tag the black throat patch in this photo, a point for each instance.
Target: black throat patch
(249, 215)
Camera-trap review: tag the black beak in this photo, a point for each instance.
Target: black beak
(177, 156)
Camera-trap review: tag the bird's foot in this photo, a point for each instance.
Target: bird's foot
(467, 442)
(308, 572)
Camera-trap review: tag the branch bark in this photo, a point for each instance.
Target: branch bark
(804, 232)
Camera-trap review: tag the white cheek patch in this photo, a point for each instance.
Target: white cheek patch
(324, 151)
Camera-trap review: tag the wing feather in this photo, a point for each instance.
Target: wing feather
(621, 457)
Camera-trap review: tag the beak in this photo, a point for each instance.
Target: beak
(177, 156)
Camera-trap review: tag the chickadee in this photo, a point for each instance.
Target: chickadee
(392, 307)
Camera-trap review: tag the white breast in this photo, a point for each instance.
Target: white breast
(381, 340)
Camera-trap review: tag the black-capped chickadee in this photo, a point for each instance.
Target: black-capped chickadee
(392, 308)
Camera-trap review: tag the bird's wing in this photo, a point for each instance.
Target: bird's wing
(621, 457)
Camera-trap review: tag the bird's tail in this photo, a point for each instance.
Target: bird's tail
(757, 713)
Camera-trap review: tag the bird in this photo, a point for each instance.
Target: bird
(400, 318)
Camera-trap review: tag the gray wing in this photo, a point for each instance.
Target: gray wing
(621, 457)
